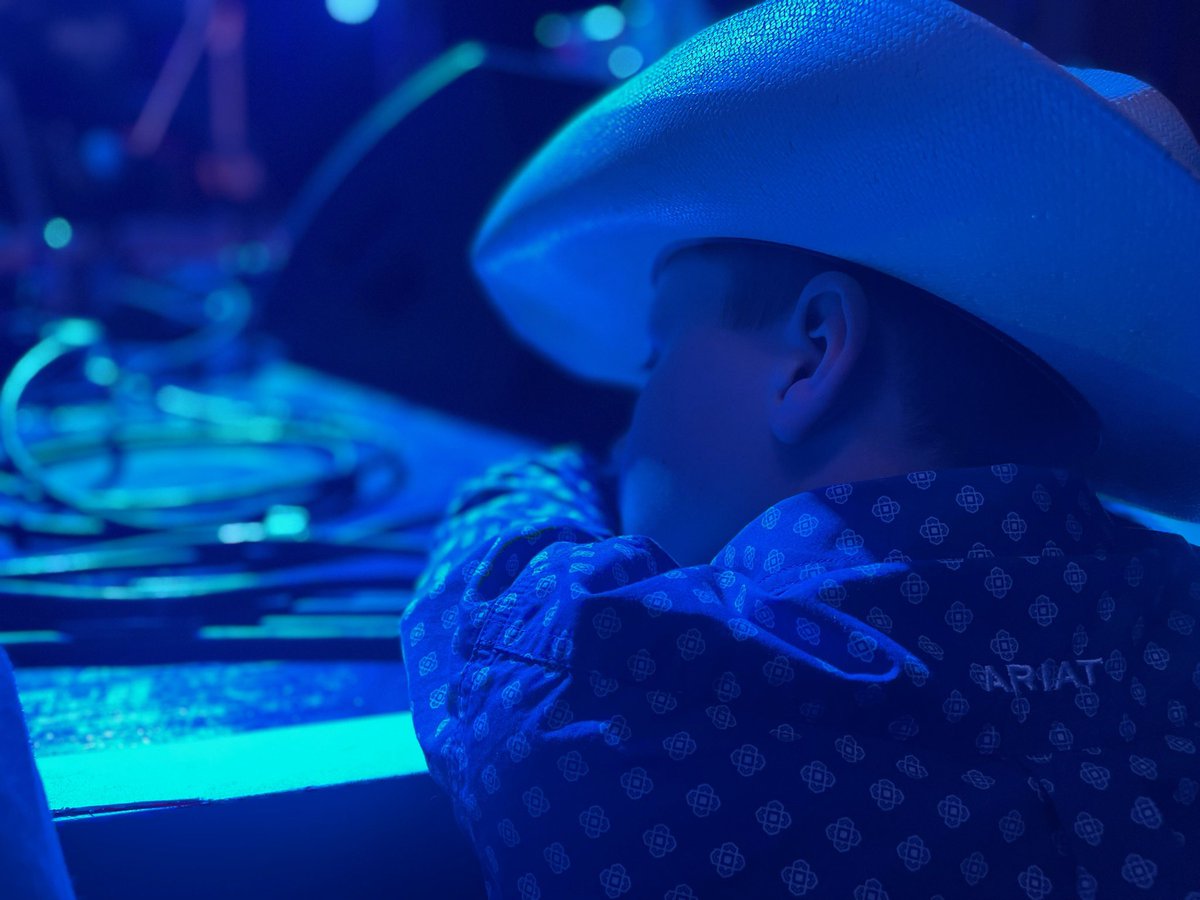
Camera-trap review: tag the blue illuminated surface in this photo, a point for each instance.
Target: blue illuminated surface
(1189, 530)
(112, 708)
(241, 765)
(112, 738)
(122, 737)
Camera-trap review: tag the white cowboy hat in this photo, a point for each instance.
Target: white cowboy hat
(1060, 205)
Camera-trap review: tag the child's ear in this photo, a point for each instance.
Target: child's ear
(824, 336)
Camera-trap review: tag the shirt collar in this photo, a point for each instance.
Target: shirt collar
(946, 514)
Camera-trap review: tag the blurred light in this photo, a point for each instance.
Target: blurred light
(624, 61)
(32, 637)
(254, 258)
(1189, 531)
(101, 370)
(57, 233)
(286, 521)
(75, 332)
(603, 23)
(552, 30)
(352, 12)
(241, 532)
(103, 154)
(638, 13)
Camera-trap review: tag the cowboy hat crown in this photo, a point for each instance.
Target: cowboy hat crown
(1059, 205)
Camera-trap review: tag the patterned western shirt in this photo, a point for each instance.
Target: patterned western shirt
(962, 682)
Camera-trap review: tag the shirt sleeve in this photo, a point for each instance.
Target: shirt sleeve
(539, 638)
(515, 540)
(562, 485)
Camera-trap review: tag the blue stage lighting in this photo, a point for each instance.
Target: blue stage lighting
(624, 61)
(352, 12)
(552, 30)
(103, 154)
(57, 233)
(603, 23)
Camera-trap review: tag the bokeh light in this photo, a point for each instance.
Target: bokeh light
(625, 60)
(638, 13)
(552, 30)
(57, 233)
(352, 12)
(103, 153)
(603, 23)
(101, 370)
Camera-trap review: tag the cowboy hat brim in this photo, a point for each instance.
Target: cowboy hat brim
(910, 136)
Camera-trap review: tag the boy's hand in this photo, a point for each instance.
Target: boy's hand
(564, 474)
(562, 483)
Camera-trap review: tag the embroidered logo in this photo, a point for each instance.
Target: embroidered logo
(1044, 678)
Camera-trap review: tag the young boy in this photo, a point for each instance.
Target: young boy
(845, 617)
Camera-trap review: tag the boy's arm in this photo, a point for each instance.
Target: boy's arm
(525, 609)
(524, 535)
(563, 484)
